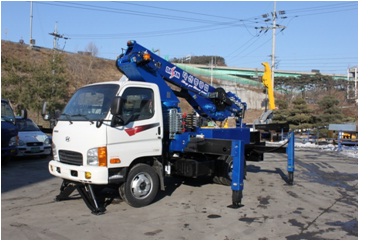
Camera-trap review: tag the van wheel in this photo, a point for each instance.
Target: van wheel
(141, 186)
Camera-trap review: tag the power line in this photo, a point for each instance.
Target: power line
(175, 31)
(132, 12)
(211, 25)
(180, 11)
(208, 22)
(329, 8)
(311, 11)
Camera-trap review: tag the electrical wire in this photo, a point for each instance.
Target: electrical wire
(210, 22)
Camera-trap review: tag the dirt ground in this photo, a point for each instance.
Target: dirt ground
(321, 205)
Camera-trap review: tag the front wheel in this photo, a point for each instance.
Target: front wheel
(141, 186)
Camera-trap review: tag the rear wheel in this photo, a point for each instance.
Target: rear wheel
(141, 186)
(225, 170)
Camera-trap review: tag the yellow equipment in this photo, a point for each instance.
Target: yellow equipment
(268, 84)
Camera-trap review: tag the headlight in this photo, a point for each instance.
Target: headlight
(47, 141)
(15, 142)
(97, 156)
(54, 152)
(92, 156)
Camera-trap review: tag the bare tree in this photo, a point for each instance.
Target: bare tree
(92, 49)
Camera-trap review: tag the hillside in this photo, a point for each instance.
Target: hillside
(25, 73)
(81, 69)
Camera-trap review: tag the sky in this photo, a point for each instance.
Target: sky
(310, 35)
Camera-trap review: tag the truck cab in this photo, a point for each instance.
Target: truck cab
(95, 146)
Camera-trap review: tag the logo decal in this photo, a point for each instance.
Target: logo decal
(134, 130)
(172, 72)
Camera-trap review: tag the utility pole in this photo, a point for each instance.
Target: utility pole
(57, 36)
(275, 15)
(211, 70)
(273, 44)
(31, 40)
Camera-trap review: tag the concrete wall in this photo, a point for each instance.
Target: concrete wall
(253, 98)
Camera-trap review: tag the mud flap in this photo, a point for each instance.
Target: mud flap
(237, 185)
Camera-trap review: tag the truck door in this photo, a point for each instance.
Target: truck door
(137, 131)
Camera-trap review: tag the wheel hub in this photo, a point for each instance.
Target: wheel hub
(141, 185)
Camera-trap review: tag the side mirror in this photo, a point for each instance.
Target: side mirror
(116, 106)
(24, 113)
(116, 111)
(44, 113)
(44, 108)
(57, 114)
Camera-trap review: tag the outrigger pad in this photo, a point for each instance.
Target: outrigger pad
(237, 196)
(235, 205)
(291, 178)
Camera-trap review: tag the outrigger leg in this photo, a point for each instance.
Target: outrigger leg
(66, 189)
(85, 191)
(291, 155)
(89, 198)
(237, 184)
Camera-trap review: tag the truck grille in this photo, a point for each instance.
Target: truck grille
(70, 157)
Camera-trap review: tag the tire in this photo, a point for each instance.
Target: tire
(141, 186)
(225, 170)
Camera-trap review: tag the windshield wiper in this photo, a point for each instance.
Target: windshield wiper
(84, 116)
(67, 117)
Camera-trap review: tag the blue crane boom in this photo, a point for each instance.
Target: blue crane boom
(140, 64)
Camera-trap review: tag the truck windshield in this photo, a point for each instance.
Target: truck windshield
(90, 103)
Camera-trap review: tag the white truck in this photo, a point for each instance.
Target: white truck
(131, 133)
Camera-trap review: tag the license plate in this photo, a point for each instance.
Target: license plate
(35, 149)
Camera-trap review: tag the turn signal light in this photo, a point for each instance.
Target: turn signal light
(102, 156)
(115, 161)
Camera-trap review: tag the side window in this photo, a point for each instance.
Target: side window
(137, 104)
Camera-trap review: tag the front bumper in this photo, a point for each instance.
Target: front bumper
(98, 175)
(33, 151)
